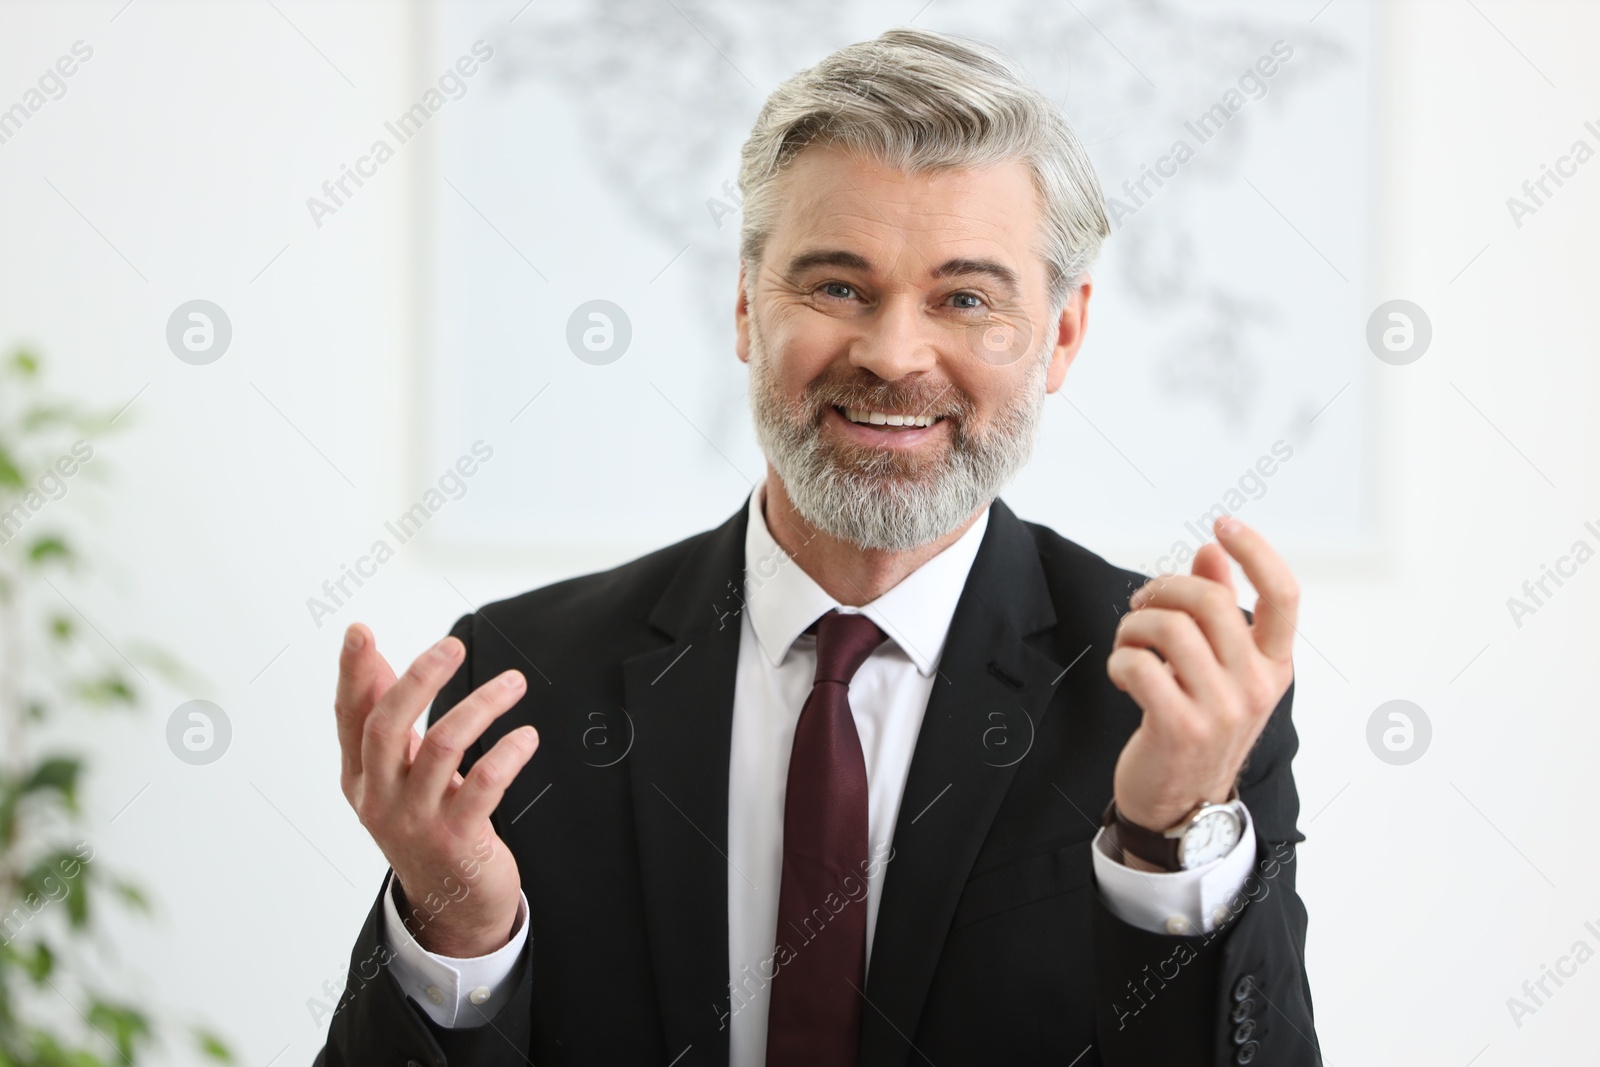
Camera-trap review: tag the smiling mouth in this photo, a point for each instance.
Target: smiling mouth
(887, 419)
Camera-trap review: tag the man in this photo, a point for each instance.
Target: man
(829, 784)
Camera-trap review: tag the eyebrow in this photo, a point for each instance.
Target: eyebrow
(1003, 275)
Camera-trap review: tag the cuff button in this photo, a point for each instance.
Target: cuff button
(1246, 1053)
(1244, 987)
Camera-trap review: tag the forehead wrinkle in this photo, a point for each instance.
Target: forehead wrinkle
(849, 240)
(860, 229)
(959, 222)
(934, 222)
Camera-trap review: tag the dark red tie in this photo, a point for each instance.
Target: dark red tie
(821, 958)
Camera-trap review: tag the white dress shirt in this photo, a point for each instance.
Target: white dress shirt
(776, 665)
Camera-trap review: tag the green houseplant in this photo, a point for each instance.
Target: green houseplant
(57, 1007)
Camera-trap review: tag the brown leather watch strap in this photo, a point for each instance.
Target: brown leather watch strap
(1152, 846)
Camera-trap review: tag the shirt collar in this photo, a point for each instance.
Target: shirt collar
(783, 600)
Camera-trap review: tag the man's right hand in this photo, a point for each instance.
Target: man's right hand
(459, 879)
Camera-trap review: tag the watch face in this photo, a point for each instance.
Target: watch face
(1210, 837)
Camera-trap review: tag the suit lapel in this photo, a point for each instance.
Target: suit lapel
(989, 694)
(680, 698)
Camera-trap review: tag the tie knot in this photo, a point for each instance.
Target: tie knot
(843, 644)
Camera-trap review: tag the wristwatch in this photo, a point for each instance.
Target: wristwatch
(1207, 833)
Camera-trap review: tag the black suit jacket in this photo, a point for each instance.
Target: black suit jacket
(992, 944)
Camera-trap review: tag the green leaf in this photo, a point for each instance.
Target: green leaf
(213, 1046)
(131, 895)
(77, 902)
(163, 663)
(47, 414)
(122, 1024)
(39, 898)
(39, 964)
(110, 689)
(10, 476)
(25, 362)
(58, 772)
(61, 628)
(49, 548)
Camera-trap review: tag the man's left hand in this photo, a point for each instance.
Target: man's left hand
(1209, 694)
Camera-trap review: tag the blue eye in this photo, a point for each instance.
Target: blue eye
(838, 285)
(977, 300)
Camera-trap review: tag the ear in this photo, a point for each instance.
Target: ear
(741, 320)
(1069, 334)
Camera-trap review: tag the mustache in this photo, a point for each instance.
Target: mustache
(876, 394)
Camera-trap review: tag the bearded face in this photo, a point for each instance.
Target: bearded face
(939, 465)
(902, 335)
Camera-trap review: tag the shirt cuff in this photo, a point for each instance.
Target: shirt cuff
(1178, 902)
(454, 992)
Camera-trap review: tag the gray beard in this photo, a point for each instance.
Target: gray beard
(872, 498)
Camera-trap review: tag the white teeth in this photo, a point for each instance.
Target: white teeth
(881, 418)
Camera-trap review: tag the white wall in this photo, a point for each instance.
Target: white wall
(192, 138)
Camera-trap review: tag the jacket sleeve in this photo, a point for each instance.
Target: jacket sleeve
(1239, 994)
(375, 1021)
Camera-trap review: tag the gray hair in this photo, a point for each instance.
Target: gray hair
(917, 101)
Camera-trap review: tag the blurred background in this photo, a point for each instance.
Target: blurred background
(313, 261)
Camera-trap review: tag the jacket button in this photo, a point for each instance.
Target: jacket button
(1242, 1032)
(1242, 1010)
(1246, 1053)
(1243, 988)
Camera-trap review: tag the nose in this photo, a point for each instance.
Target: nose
(896, 341)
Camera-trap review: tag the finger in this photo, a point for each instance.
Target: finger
(385, 742)
(1213, 606)
(364, 676)
(1212, 562)
(448, 738)
(1141, 674)
(1277, 593)
(489, 778)
(1181, 643)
